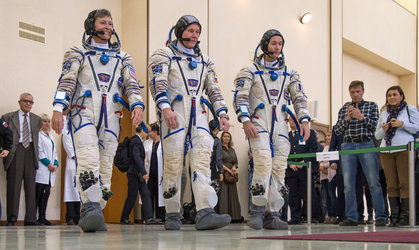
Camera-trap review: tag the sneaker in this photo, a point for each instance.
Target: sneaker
(348, 222)
(380, 223)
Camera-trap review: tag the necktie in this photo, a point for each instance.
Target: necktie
(25, 132)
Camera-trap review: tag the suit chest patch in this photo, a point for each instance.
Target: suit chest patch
(103, 77)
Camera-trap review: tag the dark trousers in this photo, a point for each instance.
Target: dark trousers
(297, 185)
(22, 168)
(42, 194)
(135, 185)
(384, 188)
(326, 200)
(153, 187)
(332, 195)
(72, 211)
(340, 206)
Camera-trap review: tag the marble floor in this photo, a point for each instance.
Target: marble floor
(155, 237)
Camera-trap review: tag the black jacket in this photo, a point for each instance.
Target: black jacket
(335, 143)
(6, 136)
(136, 149)
(216, 164)
(310, 146)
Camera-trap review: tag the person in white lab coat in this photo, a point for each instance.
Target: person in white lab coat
(71, 194)
(154, 166)
(47, 165)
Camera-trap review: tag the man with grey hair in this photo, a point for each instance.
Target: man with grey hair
(22, 161)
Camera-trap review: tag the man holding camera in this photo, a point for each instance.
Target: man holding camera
(357, 122)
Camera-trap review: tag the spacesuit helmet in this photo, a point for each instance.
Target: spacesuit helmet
(89, 23)
(183, 23)
(267, 37)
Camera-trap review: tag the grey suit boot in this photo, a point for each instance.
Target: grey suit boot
(272, 221)
(255, 219)
(173, 221)
(207, 219)
(91, 218)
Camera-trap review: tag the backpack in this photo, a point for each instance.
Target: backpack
(122, 159)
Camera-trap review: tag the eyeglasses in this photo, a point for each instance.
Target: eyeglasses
(27, 101)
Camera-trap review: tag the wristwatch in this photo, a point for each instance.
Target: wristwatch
(225, 116)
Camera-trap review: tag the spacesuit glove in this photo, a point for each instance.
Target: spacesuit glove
(283, 190)
(106, 194)
(87, 179)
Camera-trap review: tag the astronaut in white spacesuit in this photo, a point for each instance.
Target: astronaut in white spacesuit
(180, 75)
(262, 90)
(94, 77)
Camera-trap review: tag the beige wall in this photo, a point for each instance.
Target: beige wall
(376, 81)
(231, 31)
(381, 26)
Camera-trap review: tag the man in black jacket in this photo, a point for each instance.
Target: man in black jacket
(137, 176)
(296, 178)
(216, 164)
(6, 140)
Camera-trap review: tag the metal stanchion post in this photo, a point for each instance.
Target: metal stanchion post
(309, 193)
(412, 156)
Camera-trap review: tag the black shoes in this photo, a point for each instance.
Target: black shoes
(10, 223)
(152, 221)
(71, 223)
(294, 222)
(339, 219)
(45, 222)
(370, 220)
(380, 223)
(361, 221)
(36, 223)
(348, 222)
(126, 222)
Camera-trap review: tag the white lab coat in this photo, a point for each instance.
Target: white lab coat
(46, 150)
(71, 194)
(148, 146)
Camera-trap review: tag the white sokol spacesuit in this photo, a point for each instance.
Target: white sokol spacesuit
(92, 78)
(179, 80)
(260, 93)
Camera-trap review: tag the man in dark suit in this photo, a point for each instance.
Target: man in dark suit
(296, 178)
(137, 176)
(22, 161)
(337, 181)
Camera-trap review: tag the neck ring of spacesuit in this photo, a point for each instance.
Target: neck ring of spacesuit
(113, 47)
(173, 45)
(258, 60)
